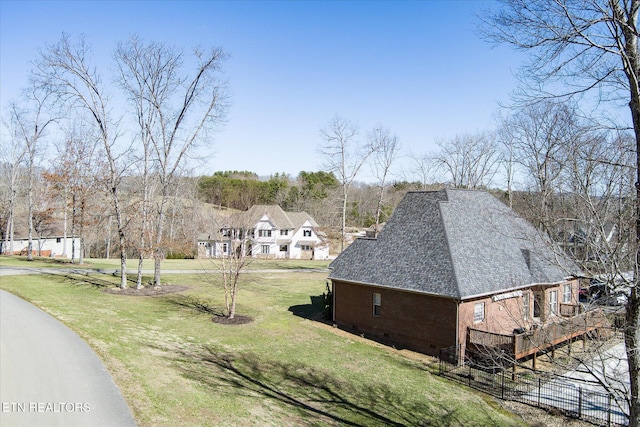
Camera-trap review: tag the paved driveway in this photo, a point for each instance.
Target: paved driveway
(581, 391)
(49, 376)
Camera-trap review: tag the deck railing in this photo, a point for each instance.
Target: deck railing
(556, 331)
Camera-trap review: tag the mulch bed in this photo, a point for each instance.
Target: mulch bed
(237, 320)
(147, 291)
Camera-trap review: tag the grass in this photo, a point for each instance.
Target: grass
(177, 367)
(168, 264)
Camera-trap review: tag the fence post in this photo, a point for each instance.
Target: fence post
(579, 402)
(502, 392)
(469, 375)
(539, 390)
(609, 411)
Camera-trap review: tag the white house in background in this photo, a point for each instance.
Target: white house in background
(51, 246)
(271, 232)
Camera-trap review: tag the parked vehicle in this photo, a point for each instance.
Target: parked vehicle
(617, 298)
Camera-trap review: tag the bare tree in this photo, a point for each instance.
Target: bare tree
(598, 174)
(31, 122)
(344, 157)
(12, 153)
(386, 153)
(66, 69)
(587, 46)
(175, 111)
(538, 136)
(231, 255)
(425, 168)
(470, 160)
(76, 170)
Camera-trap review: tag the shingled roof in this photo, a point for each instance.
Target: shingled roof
(278, 217)
(454, 243)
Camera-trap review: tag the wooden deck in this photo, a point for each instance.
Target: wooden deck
(557, 331)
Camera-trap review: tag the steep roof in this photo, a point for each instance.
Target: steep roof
(455, 243)
(278, 217)
(299, 218)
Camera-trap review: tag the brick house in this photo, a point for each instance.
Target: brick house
(272, 233)
(458, 269)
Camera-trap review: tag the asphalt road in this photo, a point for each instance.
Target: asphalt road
(49, 376)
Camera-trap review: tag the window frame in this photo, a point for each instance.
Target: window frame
(526, 305)
(567, 293)
(553, 302)
(264, 249)
(377, 304)
(479, 316)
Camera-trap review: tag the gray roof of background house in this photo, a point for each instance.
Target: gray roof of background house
(455, 243)
(275, 213)
(299, 218)
(279, 218)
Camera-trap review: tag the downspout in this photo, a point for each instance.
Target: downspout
(458, 348)
(333, 303)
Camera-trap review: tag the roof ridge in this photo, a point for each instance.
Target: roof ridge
(454, 269)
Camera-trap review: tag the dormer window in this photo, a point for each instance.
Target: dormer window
(284, 232)
(306, 233)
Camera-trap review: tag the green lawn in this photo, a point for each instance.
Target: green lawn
(177, 367)
(168, 264)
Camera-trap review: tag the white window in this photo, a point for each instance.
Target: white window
(225, 249)
(553, 302)
(265, 249)
(284, 232)
(566, 293)
(526, 309)
(283, 248)
(306, 233)
(264, 233)
(478, 312)
(377, 303)
(305, 247)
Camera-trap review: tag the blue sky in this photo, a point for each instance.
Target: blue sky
(415, 67)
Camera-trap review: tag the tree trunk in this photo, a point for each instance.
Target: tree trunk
(108, 241)
(139, 284)
(632, 326)
(158, 252)
(73, 228)
(232, 311)
(157, 259)
(81, 249)
(121, 239)
(30, 214)
(343, 224)
(64, 222)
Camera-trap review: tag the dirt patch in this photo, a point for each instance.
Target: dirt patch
(147, 291)
(537, 417)
(237, 320)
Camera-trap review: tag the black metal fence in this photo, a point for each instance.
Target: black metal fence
(574, 397)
